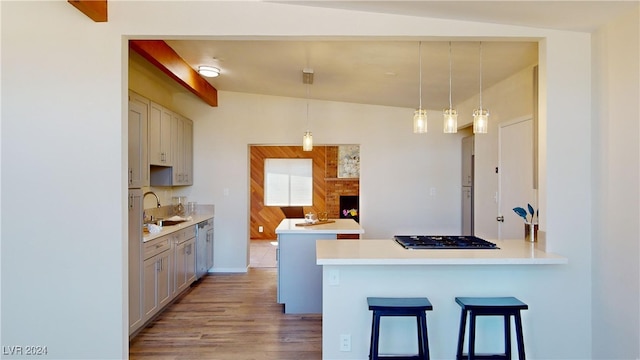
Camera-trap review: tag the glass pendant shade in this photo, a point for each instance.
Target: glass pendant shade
(480, 115)
(307, 141)
(450, 125)
(420, 121)
(480, 121)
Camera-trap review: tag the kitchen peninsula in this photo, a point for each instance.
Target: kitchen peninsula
(352, 271)
(299, 277)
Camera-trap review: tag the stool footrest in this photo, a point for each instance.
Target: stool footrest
(399, 357)
(484, 357)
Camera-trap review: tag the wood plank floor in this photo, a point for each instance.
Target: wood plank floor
(230, 317)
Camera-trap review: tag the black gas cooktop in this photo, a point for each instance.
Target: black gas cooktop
(443, 242)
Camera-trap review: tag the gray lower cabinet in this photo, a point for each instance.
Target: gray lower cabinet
(185, 269)
(166, 267)
(135, 260)
(157, 275)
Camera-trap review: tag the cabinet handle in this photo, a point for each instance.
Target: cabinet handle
(130, 176)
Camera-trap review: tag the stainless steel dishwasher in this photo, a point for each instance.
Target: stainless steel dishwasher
(204, 248)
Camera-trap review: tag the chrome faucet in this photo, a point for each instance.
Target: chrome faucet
(154, 194)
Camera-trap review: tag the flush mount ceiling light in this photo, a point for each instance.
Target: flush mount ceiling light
(307, 138)
(480, 115)
(450, 115)
(420, 115)
(208, 71)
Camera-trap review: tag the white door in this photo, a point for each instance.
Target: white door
(515, 180)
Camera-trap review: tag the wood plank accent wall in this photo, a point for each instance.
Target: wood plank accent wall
(326, 187)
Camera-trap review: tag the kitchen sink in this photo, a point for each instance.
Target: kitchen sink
(172, 222)
(154, 221)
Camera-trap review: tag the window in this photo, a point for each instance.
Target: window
(288, 182)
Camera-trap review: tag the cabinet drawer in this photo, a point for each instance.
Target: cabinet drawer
(156, 246)
(184, 234)
(189, 232)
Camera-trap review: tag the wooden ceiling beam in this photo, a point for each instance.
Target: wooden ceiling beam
(169, 62)
(95, 9)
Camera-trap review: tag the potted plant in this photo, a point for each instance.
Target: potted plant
(530, 227)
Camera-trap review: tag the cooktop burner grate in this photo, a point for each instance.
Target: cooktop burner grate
(443, 242)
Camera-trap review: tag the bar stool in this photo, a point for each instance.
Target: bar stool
(490, 306)
(399, 307)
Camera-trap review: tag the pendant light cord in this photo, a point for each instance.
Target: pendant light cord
(308, 121)
(481, 75)
(420, 72)
(450, 103)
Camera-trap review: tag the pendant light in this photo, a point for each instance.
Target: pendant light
(450, 125)
(420, 115)
(307, 138)
(480, 115)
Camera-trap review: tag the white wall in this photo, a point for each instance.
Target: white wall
(398, 168)
(63, 216)
(616, 213)
(510, 99)
(62, 151)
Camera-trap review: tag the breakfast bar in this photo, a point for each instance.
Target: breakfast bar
(355, 270)
(299, 277)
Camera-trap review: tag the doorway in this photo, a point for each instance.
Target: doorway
(515, 175)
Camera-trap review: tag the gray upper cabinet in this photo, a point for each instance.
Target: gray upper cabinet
(138, 166)
(160, 145)
(183, 151)
(160, 140)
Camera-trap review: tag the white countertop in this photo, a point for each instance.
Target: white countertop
(388, 252)
(196, 218)
(339, 226)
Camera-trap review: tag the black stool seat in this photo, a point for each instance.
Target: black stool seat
(490, 306)
(399, 307)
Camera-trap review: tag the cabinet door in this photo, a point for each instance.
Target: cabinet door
(159, 135)
(138, 167)
(177, 135)
(190, 262)
(135, 260)
(142, 104)
(188, 152)
(149, 295)
(209, 249)
(180, 267)
(165, 274)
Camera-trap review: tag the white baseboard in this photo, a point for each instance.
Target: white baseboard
(228, 270)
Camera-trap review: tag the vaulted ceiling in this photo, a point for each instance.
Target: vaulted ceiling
(387, 72)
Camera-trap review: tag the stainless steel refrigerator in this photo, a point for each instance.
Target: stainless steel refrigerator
(467, 185)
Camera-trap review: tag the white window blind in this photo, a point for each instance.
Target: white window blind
(288, 182)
